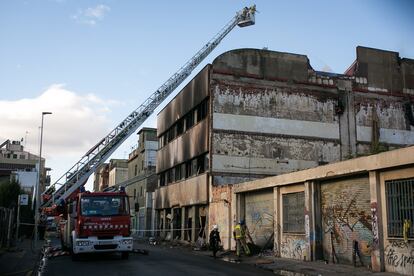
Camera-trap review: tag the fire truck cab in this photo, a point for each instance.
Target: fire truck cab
(97, 222)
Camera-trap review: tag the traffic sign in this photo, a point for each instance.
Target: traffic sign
(24, 199)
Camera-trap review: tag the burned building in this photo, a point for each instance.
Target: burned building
(257, 113)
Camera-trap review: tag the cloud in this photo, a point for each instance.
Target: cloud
(91, 16)
(77, 123)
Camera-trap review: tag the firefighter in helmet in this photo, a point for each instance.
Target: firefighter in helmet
(239, 234)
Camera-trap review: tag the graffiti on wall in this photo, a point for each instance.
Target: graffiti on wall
(259, 218)
(294, 248)
(345, 221)
(399, 254)
(375, 229)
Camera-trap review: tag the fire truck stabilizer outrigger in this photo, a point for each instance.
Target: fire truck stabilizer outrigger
(100, 222)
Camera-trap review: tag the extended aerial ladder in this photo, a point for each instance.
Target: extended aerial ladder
(79, 173)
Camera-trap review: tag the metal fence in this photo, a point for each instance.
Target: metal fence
(7, 223)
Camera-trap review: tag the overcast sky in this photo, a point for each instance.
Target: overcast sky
(92, 62)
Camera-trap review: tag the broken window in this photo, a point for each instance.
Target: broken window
(188, 169)
(294, 212)
(189, 120)
(400, 207)
(202, 110)
(200, 164)
(162, 179)
(194, 168)
(171, 133)
(177, 172)
(170, 176)
(180, 127)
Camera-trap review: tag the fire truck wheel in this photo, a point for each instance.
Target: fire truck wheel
(125, 255)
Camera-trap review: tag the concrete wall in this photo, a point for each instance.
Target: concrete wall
(191, 95)
(398, 253)
(187, 192)
(344, 202)
(290, 245)
(117, 175)
(220, 213)
(266, 128)
(191, 144)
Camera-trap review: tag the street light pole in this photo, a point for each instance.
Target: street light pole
(38, 181)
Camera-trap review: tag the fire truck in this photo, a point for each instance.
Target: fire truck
(96, 222)
(92, 222)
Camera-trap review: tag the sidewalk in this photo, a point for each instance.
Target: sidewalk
(283, 266)
(20, 260)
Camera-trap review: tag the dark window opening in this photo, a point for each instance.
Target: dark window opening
(294, 212)
(202, 110)
(162, 179)
(180, 127)
(170, 176)
(189, 120)
(177, 173)
(188, 169)
(201, 164)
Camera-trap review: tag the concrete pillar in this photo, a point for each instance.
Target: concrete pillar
(194, 223)
(162, 221)
(172, 224)
(276, 221)
(310, 220)
(233, 218)
(377, 253)
(183, 225)
(241, 207)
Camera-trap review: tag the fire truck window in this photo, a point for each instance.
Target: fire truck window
(104, 206)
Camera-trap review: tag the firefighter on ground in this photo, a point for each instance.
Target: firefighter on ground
(215, 240)
(239, 234)
(41, 226)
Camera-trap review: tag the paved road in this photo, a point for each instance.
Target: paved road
(160, 261)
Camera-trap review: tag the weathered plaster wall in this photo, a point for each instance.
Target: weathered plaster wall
(398, 254)
(291, 245)
(294, 247)
(395, 129)
(278, 102)
(259, 145)
(346, 217)
(261, 131)
(220, 213)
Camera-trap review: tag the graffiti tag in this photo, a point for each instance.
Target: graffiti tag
(375, 229)
(398, 259)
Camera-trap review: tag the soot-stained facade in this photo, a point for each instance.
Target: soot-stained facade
(257, 113)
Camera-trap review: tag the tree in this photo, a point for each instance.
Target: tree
(9, 191)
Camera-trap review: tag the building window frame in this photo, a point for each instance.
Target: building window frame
(293, 212)
(400, 207)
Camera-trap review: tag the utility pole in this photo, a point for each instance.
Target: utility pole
(38, 181)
